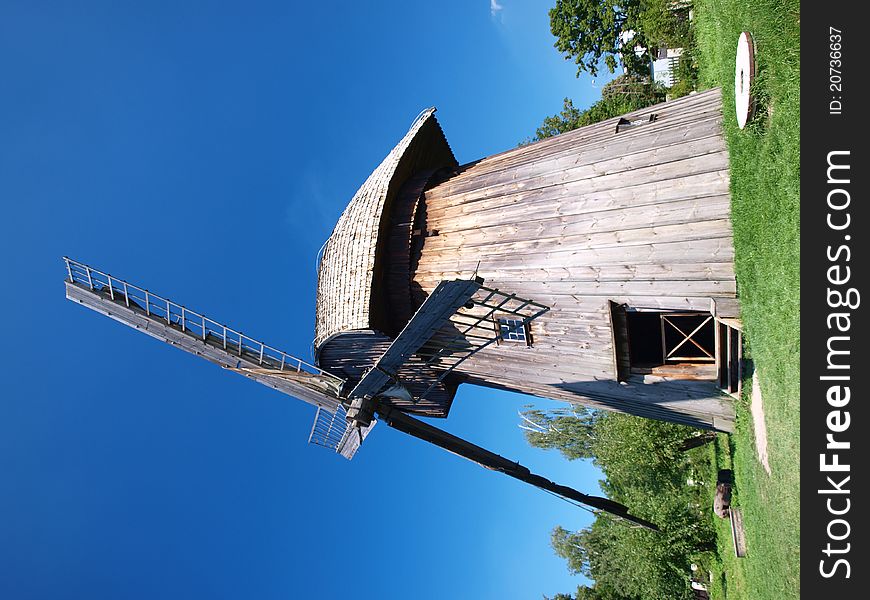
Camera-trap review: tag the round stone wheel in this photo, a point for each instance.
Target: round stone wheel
(744, 74)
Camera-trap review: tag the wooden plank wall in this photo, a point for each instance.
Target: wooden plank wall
(640, 217)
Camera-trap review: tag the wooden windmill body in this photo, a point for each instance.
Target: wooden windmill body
(623, 235)
(595, 267)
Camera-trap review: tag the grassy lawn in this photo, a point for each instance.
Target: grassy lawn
(765, 182)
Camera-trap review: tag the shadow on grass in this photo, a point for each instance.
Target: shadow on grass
(759, 123)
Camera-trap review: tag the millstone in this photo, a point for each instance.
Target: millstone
(744, 74)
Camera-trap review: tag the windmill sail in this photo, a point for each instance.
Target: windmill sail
(441, 304)
(192, 332)
(456, 321)
(331, 430)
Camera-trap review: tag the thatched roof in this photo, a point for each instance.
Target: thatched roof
(346, 273)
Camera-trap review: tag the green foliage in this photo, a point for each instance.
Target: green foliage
(665, 23)
(641, 454)
(566, 120)
(570, 433)
(599, 592)
(608, 108)
(638, 88)
(646, 470)
(589, 31)
(635, 562)
(686, 74)
(572, 547)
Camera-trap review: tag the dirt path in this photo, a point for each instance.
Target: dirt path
(757, 409)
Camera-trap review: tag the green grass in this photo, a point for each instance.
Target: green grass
(765, 183)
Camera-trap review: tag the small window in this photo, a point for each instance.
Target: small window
(513, 330)
(625, 124)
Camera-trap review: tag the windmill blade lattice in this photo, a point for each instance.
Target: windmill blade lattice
(197, 334)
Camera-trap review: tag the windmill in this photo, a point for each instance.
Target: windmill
(594, 267)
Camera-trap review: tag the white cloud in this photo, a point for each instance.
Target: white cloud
(494, 7)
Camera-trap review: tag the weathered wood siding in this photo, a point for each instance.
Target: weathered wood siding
(640, 217)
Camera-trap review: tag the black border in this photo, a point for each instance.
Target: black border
(821, 133)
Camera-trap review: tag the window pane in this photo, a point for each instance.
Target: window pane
(512, 330)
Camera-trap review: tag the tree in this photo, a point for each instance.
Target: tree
(625, 562)
(637, 89)
(645, 468)
(599, 592)
(665, 22)
(569, 432)
(589, 30)
(571, 546)
(564, 121)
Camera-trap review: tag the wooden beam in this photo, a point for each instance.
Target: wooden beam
(308, 387)
(490, 460)
(441, 304)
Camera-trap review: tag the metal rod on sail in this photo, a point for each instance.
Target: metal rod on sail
(418, 429)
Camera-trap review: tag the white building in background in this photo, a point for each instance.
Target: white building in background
(664, 66)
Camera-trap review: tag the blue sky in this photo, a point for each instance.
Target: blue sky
(204, 151)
